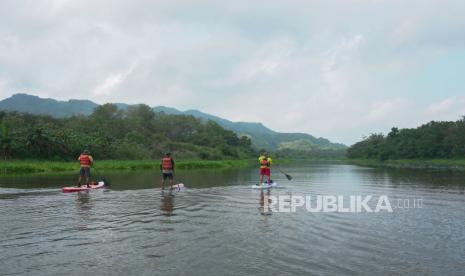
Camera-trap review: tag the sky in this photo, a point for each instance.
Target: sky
(334, 69)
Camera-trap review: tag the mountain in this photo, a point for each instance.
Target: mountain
(261, 136)
(35, 105)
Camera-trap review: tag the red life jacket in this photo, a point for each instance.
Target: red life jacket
(264, 162)
(166, 163)
(84, 160)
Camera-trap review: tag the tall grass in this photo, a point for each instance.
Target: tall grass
(37, 166)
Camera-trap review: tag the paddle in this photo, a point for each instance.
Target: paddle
(287, 175)
(107, 183)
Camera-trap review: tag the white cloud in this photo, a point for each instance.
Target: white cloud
(112, 81)
(4, 85)
(404, 32)
(387, 110)
(339, 69)
(267, 61)
(441, 106)
(336, 78)
(341, 53)
(452, 108)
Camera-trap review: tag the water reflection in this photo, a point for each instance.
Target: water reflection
(84, 205)
(167, 203)
(84, 202)
(265, 201)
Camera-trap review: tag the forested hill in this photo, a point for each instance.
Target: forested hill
(111, 133)
(431, 140)
(39, 106)
(262, 137)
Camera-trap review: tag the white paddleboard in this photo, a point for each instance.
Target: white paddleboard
(265, 185)
(178, 186)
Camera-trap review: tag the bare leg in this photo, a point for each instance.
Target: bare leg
(79, 181)
(162, 186)
(171, 184)
(261, 179)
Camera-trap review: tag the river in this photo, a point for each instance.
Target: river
(218, 225)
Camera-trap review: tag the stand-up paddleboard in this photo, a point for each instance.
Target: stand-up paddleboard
(178, 186)
(265, 185)
(93, 186)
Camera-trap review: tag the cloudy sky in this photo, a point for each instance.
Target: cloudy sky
(336, 69)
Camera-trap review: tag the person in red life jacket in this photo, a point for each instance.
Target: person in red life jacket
(86, 161)
(265, 164)
(167, 170)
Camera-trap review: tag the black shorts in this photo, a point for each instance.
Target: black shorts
(85, 171)
(167, 176)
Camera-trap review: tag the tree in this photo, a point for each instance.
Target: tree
(431, 140)
(5, 141)
(107, 113)
(111, 133)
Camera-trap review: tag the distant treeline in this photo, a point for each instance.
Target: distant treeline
(110, 133)
(432, 140)
(312, 153)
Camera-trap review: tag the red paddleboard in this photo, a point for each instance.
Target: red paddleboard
(93, 186)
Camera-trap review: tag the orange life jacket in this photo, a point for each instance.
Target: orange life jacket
(166, 163)
(84, 159)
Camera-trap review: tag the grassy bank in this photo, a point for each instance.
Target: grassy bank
(34, 166)
(451, 164)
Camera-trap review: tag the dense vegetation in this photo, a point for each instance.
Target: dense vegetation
(429, 141)
(111, 133)
(304, 145)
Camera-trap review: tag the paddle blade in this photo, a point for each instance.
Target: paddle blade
(288, 177)
(107, 183)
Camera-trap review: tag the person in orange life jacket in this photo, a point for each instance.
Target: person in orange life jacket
(86, 161)
(167, 170)
(265, 164)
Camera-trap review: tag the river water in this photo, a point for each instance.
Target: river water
(220, 226)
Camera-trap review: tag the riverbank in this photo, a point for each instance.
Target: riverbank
(449, 164)
(19, 167)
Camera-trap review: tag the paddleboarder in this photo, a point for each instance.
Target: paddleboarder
(265, 164)
(167, 170)
(86, 161)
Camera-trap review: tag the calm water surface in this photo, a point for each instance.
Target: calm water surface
(218, 225)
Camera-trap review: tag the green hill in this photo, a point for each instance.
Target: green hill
(40, 106)
(261, 136)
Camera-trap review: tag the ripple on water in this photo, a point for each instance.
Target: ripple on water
(221, 230)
